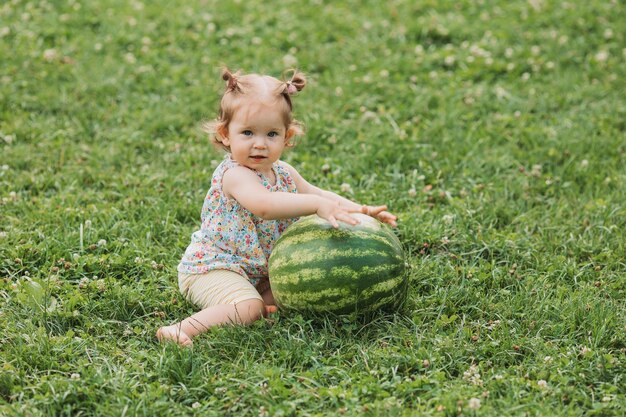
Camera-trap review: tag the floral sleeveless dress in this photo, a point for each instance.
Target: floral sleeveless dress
(230, 236)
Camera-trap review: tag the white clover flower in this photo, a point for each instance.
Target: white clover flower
(536, 170)
(449, 60)
(132, 22)
(84, 281)
(345, 188)
(547, 359)
(369, 115)
(50, 55)
(608, 33)
(144, 69)
(325, 168)
(525, 76)
(602, 56)
(87, 224)
(101, 285)
(472, 375)
(584, 350)
(448, 218)
(130, 58)
(290, 60)
(3, 235)
(412, 192)
(196, 405)
(584, 163)
(473, 404)
(419, 49)
(4, 31)
(535, 50)
(138, 260)
(75, 376)
(256, 40)
(502, 93)
(384, 73)
(8, 138)
(508, 52)
(102, 242)
(542, 384)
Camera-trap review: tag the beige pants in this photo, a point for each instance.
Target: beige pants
(219, 286)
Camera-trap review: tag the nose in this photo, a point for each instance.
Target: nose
(259, 143)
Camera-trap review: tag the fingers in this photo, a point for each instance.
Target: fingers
(373, 210)
(333, 222)
(388, 218)
(342, 217)
(380, 213)
(346, 218)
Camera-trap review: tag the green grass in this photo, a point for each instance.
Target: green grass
(494, 129)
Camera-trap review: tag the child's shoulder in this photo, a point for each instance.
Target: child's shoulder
(285, 166)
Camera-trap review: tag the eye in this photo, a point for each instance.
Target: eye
(247, 133)
(272, 134)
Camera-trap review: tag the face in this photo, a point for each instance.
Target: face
(257, 136)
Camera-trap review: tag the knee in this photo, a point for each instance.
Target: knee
(249, 310)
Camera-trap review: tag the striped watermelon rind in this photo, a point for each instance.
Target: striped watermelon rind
(315, 268)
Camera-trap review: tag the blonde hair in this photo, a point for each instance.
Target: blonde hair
(261, 88)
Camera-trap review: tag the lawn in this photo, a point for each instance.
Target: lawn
(495, 130)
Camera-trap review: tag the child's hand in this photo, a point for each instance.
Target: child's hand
(333, 211)
(380, 213)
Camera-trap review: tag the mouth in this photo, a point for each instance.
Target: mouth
(258, 157)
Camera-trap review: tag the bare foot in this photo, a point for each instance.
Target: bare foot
(269, 309)
(175, 334)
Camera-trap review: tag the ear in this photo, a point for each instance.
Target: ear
(222, 131)
(289, 134)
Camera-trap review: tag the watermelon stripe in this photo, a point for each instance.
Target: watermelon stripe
(316, 279)
(303, 257)
(342, 301)
(291, 266)
(317, 236)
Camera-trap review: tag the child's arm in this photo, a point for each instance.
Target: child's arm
(243, 185)
(378, 212)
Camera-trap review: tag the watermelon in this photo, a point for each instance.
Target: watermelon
(352, 270)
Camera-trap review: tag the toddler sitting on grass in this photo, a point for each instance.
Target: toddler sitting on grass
(253, 197)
